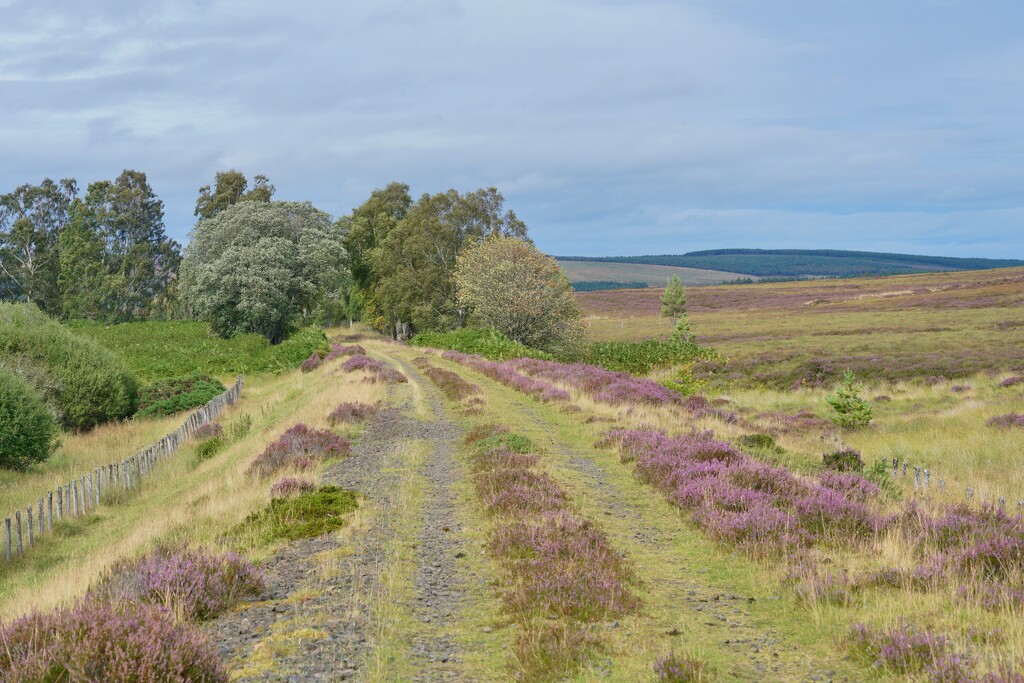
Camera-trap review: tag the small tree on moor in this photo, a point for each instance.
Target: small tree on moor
(507, 284)
(673, 305)
(851, 411)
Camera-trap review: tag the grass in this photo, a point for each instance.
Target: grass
(306, 515)
(157, 350)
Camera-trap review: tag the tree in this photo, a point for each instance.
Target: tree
(412, 267)
(139, 260)
(230, 188)
(507, 284)
(673, 305)
(86, 288)
(262, 267)
(32, 218)
(852, 411)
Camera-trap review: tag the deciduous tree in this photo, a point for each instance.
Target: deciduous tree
(230, 188)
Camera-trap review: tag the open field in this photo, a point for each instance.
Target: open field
(889, 328)
(653, 275)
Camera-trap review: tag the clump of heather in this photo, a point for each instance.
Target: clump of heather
(1012, 381)
(291, 486)
(761, 508)
(450, 383)
(352, 412)
(99, 641)
(1007, 421)
(843, 460)
(191, 584)
(675, 668)
(604, 386)
(210, 430)
(814, 586)
(852, 486)
(507, 375)
(301, 447)
(339, 350)
(378, 370)
(311, 363)
(905, 650)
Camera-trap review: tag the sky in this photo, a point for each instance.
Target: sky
(611, 127)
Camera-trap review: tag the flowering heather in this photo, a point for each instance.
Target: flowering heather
(300, 447)
(505, 374)
(291, 486)
(1012, 381)
(761, 508)
(97, 641)
(516, 490)
(905, 650)
(338, 350)
(679, 669)
(1007, 421)
(352, 412)
(209, 430)
(813, 586)
(604, 386)
(852, 486)
(450, 383)
(379, 371)
(311, 363)
(191, 584)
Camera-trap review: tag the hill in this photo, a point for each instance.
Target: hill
(623, 275)
(804, 262)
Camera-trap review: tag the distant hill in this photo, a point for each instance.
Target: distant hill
(592, 275)
(805, 262)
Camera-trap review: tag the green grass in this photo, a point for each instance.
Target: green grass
(156, 350)
(303, 516)
(487, 343)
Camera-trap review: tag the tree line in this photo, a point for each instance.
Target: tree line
(255, 264)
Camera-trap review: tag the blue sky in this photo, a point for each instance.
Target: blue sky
(611, 127)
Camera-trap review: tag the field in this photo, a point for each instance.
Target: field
(529, 520)
(951, 325)
(653, 275)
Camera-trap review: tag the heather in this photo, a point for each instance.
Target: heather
(1006, 421)
(450, 383)
(291, 486)
(505, 374)
(675, 668)
(177, 394)
(80, 382)
(604, 386)
(762, 509)
(299, 514)
(209, 430)
(311, 363)
(100, 641)
(301, 447)
(349, 412)
(1012, 381)
(377, 370)
(556, 565)
(905, 650)
(154, 350)
(342, 350)
(194, 585)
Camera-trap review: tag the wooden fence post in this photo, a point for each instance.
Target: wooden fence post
(41, 522)
(49, 511)
(17, 522)
(60, 502)
(31, 531)
(74, 498)
(7, 524)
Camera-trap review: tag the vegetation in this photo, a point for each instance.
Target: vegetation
(506, 284)
(851, 411)
(82, 383)
(292, 517)
(174, 395)
(264, 267)
(229, 189)
(156, 350)
(804, 262)
(477, 341)
(599, 285)
(639, 358)
(27, 430)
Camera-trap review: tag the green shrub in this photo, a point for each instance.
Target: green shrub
(851, 411)
(240, 427)
(760, 442)
(169, 396)
(480, 341)
(27, 431)
(843, 460)
(158, 349)
(303, 516)
(516, 443)
(639, 358)
(82, 383)
(208, 448)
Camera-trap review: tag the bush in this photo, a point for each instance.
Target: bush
(97, 641)
(306, 515)
(27, 431)
(843, 460)
(177, 394)
(679, 669)
(154, 350)
(82, 383)
(760, 442)
(639, 358)
(851, 410)
(478, 341)
(311, 363)
(209, 448)
(300, 447)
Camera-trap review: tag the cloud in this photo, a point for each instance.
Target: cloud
(609, 125)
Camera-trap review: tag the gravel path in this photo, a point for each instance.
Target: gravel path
(317, 620)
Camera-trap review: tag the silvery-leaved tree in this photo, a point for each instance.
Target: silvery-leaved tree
(507, 284)
(264, 267)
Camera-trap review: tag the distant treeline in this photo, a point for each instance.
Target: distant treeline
(600, 285)
(794, 263)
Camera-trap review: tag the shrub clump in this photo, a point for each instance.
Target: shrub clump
(1006, 421)
(209, 430)
(680, 669)
(177, 394)
(82, 383)
(28, 433)
(488, 343)
(194, 585)
(305, 515)
(98, 641)
(843, 460)
(291, 486)
(760, 442)
(352, 412)
(339, 350)
(208, 448)
(905, 650)
(379, 371)
(1012, 381)
(311, 363)
(300, 447)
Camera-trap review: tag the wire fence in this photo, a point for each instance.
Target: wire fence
(78, 497)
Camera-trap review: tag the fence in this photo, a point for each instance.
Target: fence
(78, 497)
(923, 478)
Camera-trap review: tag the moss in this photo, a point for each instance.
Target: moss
(304, 516)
